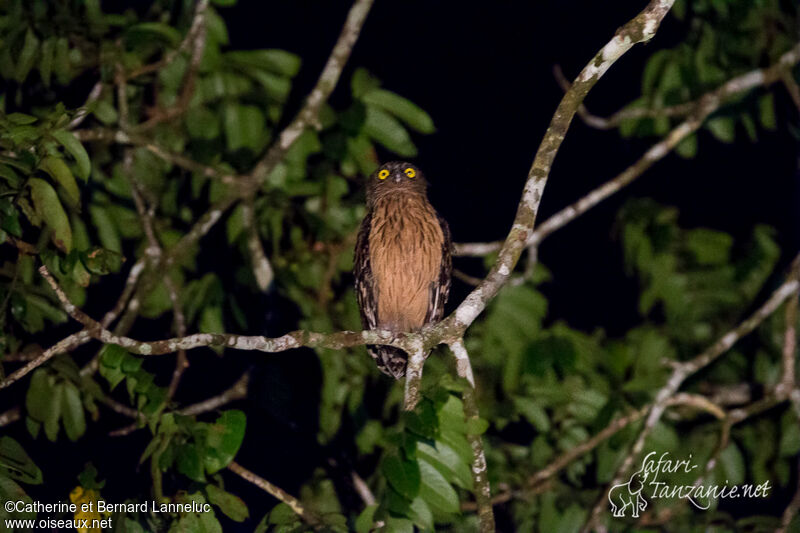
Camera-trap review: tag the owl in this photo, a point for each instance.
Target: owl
(402, 260)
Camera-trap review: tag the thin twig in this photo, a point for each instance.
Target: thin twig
(603, 123)
(791, 87)
(362, 489)
(10, 416)
(262, 269)
(83, 111)
(237, 391)
(706, 105)
(276, 492)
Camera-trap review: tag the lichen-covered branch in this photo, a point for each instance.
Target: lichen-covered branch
(413, 384)
(480, 474)
(407, 341)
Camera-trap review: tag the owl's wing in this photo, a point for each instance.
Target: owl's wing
(364, 282)
(441, 288)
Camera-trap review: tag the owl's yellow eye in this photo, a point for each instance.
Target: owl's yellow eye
(383, 174)
(410, 172)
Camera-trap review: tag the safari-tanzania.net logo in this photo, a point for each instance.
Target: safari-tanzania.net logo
(630, 498)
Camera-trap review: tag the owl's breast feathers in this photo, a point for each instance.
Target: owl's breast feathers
(403, 264)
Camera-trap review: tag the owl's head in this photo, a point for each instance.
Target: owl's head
(396, 177)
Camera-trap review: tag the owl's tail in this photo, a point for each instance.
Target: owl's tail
(390, 360)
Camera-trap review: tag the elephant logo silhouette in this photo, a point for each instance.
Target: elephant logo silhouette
(628, 494)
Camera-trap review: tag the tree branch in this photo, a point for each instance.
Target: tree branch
(480, 478)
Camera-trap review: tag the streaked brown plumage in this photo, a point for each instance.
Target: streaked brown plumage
(402, 259)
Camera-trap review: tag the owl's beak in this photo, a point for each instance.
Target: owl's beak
(398, 178)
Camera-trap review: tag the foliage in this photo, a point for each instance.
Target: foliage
(69, 189)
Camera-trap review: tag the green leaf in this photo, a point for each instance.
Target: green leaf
(403, 476)
(106, 229)
(436, 491)
(11, 492)
(27, 55)
(399, 525)
(211, 320)
(53, 411)
(244, 127)
(72, 145)
(202, 123)
(790, 435)
(401, 108)
(385, 129)
(534, 412)
(112, 355)
(708, 246)
(447, 461)
(278, 61)
(49, 209)
(422, 420)
(366, 519)
(46, 62)
(224, 439)
(766, 108)
(362, 82)
(16, 464)
(73, 415)
(421, 514)
(60, 172)
(189, 463)
(101, 261)
(732, 462)
(10, 223)
(477, 426)
(688, 147)
(155, 29)
(39, 392)
(722, 128)
(231, 505)
(10, 175)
